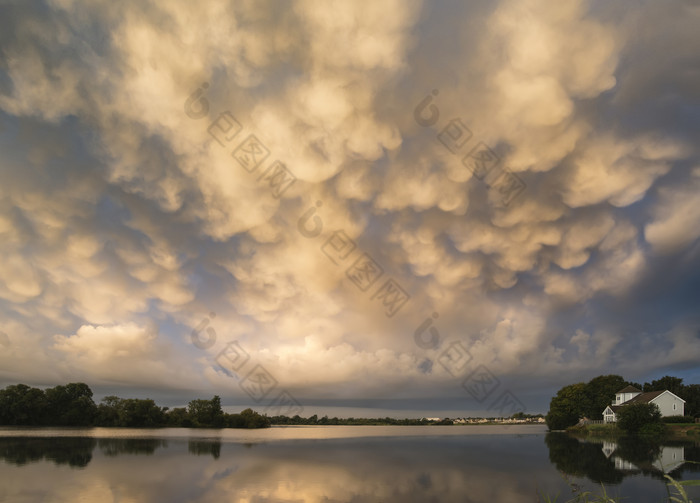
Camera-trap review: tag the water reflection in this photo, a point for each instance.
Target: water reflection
(610, 461)
(436, 467)
(116, 446)
(205, 447)
(582, 459)
(660, 458)
(390, 469)
(75, 452)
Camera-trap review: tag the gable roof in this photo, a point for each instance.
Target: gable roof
(649, 396)
(629, 389)
(644, 397)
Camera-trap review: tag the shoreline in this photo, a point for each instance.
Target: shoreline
(275, 433)
(674, 431)
(4, 428)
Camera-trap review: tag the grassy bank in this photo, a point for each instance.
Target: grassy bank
(682, 431)
(608, 430)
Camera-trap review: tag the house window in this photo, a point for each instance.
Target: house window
(674, 406)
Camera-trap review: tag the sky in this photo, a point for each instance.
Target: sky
(369, 208)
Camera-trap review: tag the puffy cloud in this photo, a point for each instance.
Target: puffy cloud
(124, 219)
(101, 344)
(124, 354)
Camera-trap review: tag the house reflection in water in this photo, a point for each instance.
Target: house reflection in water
(609, 448)
(668, 459)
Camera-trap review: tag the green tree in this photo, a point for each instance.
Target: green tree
(71, 405)
(673, 384)
(108, 411)
(130, 412)
(691, 395)
(178, 417)
(254, 420)
(567, 407)
(137, 412)
(633, 417)
(206, 413)
(600, 391)
(234, 421)
(22, 405)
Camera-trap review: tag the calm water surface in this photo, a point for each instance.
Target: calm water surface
(330, 464)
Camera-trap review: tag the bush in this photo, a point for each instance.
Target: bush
(632, 417)
(678, 419)
(560, 421)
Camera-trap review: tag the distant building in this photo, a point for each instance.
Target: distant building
(669, 404)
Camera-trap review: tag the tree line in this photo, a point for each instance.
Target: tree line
(576, 401)
(72, 405)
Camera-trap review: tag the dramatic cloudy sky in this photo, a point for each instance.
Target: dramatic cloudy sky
(519, 179)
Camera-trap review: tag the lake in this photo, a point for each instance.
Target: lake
(330, 464)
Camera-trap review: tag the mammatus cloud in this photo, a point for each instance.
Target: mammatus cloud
(124, 221)
(676, 217)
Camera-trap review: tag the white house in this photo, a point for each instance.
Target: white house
(669, 404)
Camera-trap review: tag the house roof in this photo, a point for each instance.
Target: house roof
(630, 389)
(644, 397)
(641, 398)
(637, 399)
